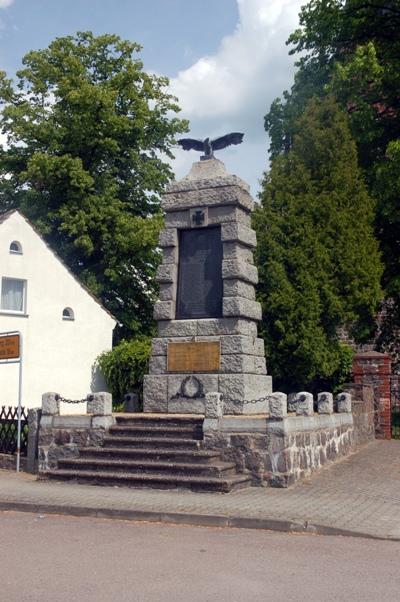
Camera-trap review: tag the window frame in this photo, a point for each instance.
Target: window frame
(71, 316)
(15, 312)
(19, 251)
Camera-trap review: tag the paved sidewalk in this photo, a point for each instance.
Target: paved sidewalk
(358, 496)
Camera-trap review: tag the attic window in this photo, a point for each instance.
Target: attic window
(16, 247)
(68, 314)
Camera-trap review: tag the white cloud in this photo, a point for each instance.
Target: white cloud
(5, 3)
(233, 89)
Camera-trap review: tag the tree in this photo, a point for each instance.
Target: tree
(318, 259)
(351, 48)
(87, 131)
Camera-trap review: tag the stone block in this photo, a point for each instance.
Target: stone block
(155, 393)
(194, 215)
(235, 250)
(241, 392)
(50, 404)
(177, 328)
(164, 310)
(232, 231)
(102, 422)
(100, 404)
(344, 403)
(226, 326)
(212, 196)
(46, 421)
(238, 362)
(72, 421)
(241, 308)
(277, 405)
(238, 288)
(177, 219)
(221, 215)
(167, 292)
(304, 404)
(232, 268)
(167, 273)
(34, 416)
(186, 393)
(214, 407)
(158, 364)
(325, 403)
(233, 344)
(170, 255)
(168, 238)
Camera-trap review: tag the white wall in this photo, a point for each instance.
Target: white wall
(59, 355)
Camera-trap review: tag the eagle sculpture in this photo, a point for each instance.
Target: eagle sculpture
(208, 146)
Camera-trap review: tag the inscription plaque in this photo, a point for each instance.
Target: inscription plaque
(199, 292)
(9, 347)
(194, 357)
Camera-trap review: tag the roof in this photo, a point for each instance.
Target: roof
(7, 214)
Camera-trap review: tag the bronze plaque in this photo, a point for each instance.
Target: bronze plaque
(9, 347)
(194, 357)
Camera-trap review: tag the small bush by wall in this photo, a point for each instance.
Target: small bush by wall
(124, 366)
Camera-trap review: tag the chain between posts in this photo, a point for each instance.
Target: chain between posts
(73, 401)
(245, 401)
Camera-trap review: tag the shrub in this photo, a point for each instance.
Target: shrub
(124, 366)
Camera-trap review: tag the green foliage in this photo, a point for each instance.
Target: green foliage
(318, 259)
(124, 366)
(351, 48)
(87, 129)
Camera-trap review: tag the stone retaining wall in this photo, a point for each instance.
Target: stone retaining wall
(62, 436)
(280, 452)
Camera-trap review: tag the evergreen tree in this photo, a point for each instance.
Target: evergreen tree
(318, 259)
(87, 131)
(351, 48)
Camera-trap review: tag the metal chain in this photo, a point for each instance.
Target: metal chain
(245, 401)
(73, 401)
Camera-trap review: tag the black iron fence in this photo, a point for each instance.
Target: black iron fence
(9, 430)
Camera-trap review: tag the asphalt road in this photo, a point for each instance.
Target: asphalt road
(57, 559)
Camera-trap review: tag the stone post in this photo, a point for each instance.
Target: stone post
(375, 369)
(131, 403)
(34, 416)
(344, 403)
(100, 406)
(50, 404)
(278, 405)
(305, 404)
(325, 403)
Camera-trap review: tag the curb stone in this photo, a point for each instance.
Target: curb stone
(199, 520)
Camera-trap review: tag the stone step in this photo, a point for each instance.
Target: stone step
(157, 481)
(181, 432)
(154, 442)
(175, 455)
(149, 466)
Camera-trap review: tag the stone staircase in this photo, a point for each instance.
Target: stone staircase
(153, 450)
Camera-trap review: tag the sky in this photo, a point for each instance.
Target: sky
(226, 59)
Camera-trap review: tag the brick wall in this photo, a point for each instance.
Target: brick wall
(375, 368)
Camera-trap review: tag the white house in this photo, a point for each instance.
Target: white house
(64, 327)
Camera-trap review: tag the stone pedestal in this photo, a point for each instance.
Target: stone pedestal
(209, 198)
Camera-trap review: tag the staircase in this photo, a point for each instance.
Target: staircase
(153, 450)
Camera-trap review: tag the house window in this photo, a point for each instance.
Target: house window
(68, 314)
(13, 295)
(16, 247)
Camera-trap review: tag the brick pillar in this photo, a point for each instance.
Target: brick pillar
(375, 368)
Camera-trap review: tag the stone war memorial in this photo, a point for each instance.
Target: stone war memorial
(210, 419)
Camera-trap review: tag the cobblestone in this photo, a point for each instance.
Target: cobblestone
(359, 495)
